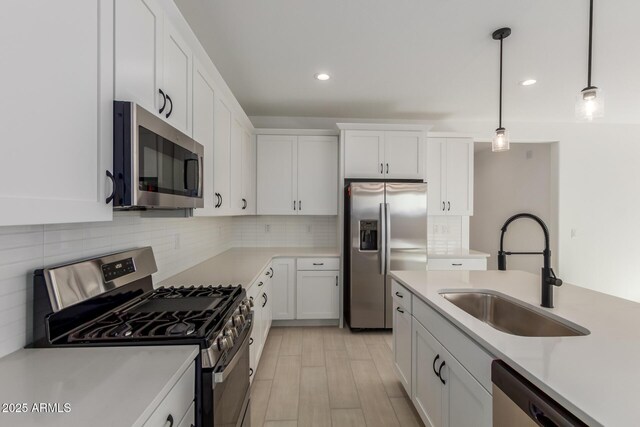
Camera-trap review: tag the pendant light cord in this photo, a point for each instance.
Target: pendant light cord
(590, 41)
(500, 103)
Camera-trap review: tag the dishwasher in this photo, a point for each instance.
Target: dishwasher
(517, 402)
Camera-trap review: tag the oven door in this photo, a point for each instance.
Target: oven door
(231, 387)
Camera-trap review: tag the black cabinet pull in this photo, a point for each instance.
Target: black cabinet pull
(250, 341)
(264, 296)
(387, 167)
(221, 199)
(169, 420)
(443, 206)
(399, 295)
(318, 263)
(400, 310)
(113, 189)
(250, 372)
(164, 101)
(456, 265)
(244, 204)
(433, 365)
(271, 272)
(448, 206)
(336, 280)
(218, 202)
(294, 205)
(260, 284)
(440, 372)
(170, 107)
(381, 169)
(299, 205)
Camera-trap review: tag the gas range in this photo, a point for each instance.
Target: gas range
(110, 301)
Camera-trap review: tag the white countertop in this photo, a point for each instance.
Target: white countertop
(104, 386)
(240, 266)
(596, 377)
(455, 253)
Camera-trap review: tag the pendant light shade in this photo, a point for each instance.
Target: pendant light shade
(590, 100)
(500, 140)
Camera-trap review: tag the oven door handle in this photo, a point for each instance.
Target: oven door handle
(219, 377)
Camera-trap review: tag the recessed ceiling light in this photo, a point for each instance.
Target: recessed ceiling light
(528, 82)
(322, 76)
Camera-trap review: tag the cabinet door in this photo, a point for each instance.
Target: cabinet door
(364, 154)
(403, 155)
(459, 176)
(402, 345)
(236, 168)
(255, 342)
(248, 173)
(317, 295)
(267, 311)
(57, 111)
(465, 402)
(426, 386)
(283, 292)
(317, 175)
(436, 204)
(221, 155)
(177, 59)
(203, 132)
(138, 53)
(277, 184)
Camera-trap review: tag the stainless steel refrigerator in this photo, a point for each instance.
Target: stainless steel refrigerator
(385, 230)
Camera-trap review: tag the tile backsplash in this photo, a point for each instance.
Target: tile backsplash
(447, 232)
(178, 243)
(291, 231)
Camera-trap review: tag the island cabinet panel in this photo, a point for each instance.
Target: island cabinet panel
(449, 375)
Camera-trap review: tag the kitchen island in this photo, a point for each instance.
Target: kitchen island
(594, 376)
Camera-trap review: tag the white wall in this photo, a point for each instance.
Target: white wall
(519, 180)
(283, 230)
(178, 243)
(598, 193)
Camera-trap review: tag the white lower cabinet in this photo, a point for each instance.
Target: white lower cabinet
(177, 403)
(317, 295)
(402, 345)
(443, 390)
(260, 293)
(283, 287)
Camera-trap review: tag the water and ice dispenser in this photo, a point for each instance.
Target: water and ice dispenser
(369, 235)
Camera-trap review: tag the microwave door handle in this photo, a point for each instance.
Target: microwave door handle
(200, 175)
(186, 174)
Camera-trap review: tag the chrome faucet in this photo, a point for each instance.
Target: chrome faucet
(549, 278)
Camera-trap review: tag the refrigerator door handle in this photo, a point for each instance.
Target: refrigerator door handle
(387, 244)
(383, 237)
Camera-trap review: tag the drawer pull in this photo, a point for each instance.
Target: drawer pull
(169, 420)
(318, 263)
(440, 372)
(260, 284)
(399, 295)
(456, 264)
(250, 372)
(434, 364)
(400, 310)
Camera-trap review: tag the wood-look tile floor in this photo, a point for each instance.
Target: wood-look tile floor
(327, 376)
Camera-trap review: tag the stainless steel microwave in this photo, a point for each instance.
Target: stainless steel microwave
(155, 166)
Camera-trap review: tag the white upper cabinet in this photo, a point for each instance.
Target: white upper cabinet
(153, 64)
(277, 186)
(317, 175)
(221, 156)
(235, 192)
(297, 175)
(177, 79)
(138, 53)
(384, 154)
(57, 111)
(203, 131)
(248, 173)
(364, 154)
(450, 176)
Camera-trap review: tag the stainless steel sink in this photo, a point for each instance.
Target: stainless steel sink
(509, 315)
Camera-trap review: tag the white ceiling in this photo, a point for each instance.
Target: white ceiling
(420, 59)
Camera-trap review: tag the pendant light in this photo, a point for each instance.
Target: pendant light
(590, 101)
(500, 141)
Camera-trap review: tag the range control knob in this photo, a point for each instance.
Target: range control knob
(244, 308)
(224, 343)
(231, 332)
(238, 320)
(249, 302)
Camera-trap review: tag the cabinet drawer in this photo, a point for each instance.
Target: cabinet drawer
(177, 402)
(467, 352)
(189, 419)
(435, 264)
(401, 295)
(318, 264)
